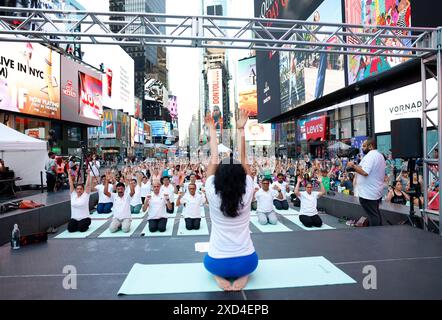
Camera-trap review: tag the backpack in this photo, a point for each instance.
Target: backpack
(295, 200)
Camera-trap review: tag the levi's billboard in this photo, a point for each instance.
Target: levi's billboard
(81, 93)
(316, 129)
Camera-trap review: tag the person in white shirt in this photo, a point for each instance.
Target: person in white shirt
(193, 180)
(104, 202)
(255, 182)
(309, 198)
(229, 191)
(281, 185)
(192, 202)
(135, 202)
(264, 198)
(95, 167)
(80, 220)
(168, 189)
(156, 203)
(370, 181)
(121, 206)
(145, 187)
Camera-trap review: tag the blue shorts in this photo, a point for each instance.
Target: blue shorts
(231, 267)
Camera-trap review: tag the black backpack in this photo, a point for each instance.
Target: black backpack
(295, 200)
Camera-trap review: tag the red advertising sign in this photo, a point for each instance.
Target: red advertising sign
(316, 129)
(90, 96)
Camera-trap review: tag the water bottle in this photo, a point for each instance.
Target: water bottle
(15, 240)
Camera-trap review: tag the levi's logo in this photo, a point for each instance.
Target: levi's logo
(315, 129)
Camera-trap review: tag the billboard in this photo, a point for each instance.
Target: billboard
(147, 133)
(118, 77)
(81, 93)
(405, 102)
(255, 131)
(108, 128)
(305, 77)
(30, 79)
(172, 106)
(136, 131)
(370, 13)
(215, 82)
(246, 83)
(159, 128)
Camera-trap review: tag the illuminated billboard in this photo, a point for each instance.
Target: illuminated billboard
(215, 82)
(246, 83)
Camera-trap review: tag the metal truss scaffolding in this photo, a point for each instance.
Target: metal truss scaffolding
(55, 27)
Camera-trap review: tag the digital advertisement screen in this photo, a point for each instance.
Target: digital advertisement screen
(81, 93)
(305, 77)
(91, 89)
(246, 83)
(172, 106)
(30, 79)
(215, 82)
(255, 131)
(395, 13)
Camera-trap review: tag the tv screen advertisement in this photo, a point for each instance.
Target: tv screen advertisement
(215, 82)
(246, 84)
(30, 79)
(90, 97)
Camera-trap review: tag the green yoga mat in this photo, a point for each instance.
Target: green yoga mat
(290, 211)
(95, 224)
(167, 233)
(279, 227)
(295, 220)
(120, 234)
(96, 215)
(270, 274)
(203, 230)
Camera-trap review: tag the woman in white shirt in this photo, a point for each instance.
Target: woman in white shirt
(193, 202)
(229, 192)
(168, 189)
(308, 211)
(157, 202)
(80, 220)
(145, 188)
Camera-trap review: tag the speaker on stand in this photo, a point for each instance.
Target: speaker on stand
(406, 143)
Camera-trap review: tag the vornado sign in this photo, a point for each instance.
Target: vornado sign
(405, 102)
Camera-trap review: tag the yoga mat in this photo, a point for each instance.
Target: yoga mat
(167, 233)
(270, 274)
(290, 211)
(279, 227)
(96, 215)
(203, 212)
(95, 224)
(203, 230)
(202, 246)
(295, 220)
(120, 234)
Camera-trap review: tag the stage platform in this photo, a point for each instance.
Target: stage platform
(55, 213)
(407, 261)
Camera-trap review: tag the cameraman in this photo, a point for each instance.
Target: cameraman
(370, 180)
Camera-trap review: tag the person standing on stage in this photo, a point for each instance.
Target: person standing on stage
(370, 181)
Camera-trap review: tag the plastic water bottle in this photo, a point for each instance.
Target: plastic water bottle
(15, 239)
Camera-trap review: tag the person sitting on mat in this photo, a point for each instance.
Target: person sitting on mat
(157, 203)
(169, 189)
(104, 202)
(135, 203)
(264, 198)
(308, 211)
(192, 202)
(121, 206)
(80, 220)
(281, 185)
(229, 190)
(145, 187)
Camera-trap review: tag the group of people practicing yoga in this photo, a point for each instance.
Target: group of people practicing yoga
(231, 190)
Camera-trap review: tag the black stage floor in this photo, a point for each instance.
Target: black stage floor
(408, 263)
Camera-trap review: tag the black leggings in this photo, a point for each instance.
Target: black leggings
(192, 223)
(82, 225)
(314, 221)
(157, 225)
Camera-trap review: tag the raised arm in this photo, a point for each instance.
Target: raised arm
(214, 159)
(88, 181)
(322, 192)
(106, 186)
(297, 193)
(71, 183)
(241, 123)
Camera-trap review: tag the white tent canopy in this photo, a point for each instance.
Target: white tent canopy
(223, 149)
(24, 155)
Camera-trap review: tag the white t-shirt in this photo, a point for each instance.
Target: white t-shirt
(102, 198)
(157, 207)
(136, 198)
(309, 203)
(170, 190)
(371, 187)
(265, 200)
(79, 206)
(145, 188)
(282, 186)
(95, 165)
(192, 208)
(121, 207)
(198, 184)
(230, 237)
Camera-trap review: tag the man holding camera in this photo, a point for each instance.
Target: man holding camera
(370, 181)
